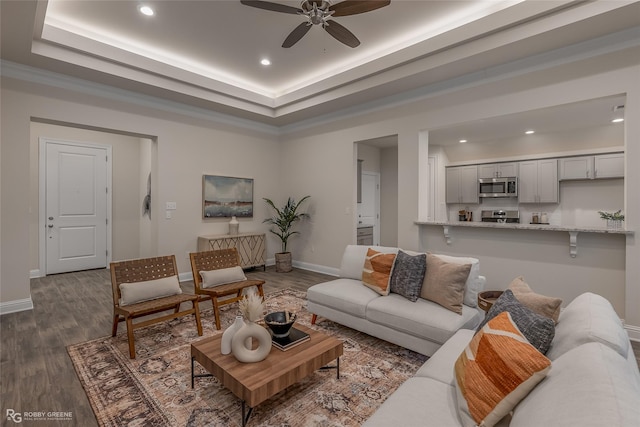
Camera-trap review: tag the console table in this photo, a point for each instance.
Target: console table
(251, 247)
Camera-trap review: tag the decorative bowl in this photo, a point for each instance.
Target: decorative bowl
(280, 322)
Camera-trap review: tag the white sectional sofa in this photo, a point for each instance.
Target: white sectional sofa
(422, 326)
(593, 381)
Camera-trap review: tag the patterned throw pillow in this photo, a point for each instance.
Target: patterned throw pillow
(377, 271)
(541, 304)
(444, 283)
(496, 371)
(408, 275)
(539, 330)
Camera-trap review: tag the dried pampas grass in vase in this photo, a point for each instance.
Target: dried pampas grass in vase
(252, 307)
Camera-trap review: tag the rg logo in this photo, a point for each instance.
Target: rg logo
(14, 416)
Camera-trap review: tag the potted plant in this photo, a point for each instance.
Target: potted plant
(614, 219)
(283, 220)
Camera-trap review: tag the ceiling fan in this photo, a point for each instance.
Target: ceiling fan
(319, 12)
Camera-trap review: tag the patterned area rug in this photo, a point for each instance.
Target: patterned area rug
(155, 388)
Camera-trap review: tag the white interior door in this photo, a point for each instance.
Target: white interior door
(75, 207)
(370, 206)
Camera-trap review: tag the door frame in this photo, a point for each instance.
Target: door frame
(376, 204)
(42, 208)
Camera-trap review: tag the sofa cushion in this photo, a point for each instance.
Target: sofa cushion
(376, 271)
(222, 276)
(539, 330)
(346, 295)
(444, 282)
(495, 371)
(474, 284)
(408, 274)
(353, 260)
(414, 402)
(589, 386)
(541, 304)
(132, 293)
(423, 319)
(589, 318)
(440, 365)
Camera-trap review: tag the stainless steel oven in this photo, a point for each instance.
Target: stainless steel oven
(498, 187)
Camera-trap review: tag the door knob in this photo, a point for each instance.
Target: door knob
(50, 225)
(50, 218)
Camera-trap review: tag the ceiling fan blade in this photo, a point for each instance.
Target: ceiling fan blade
(274, 7)
(353, 7)
(341, 34)
(296, 34)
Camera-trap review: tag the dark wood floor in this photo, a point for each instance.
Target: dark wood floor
(36, 371)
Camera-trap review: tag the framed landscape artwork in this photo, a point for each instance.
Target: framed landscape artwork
(225, 196)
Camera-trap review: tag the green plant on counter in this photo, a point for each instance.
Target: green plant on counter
(612, 216)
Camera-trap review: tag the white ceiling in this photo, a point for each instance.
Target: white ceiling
(206, 53)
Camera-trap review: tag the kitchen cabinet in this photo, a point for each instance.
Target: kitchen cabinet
(365, 236)
(592, 167)
(538, 181)
(609, 166)
(462, 184)
(498, 170)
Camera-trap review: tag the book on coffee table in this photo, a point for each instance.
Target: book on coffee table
(295, 337)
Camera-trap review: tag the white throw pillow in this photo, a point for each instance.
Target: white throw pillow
(131, 293)
(222, 276)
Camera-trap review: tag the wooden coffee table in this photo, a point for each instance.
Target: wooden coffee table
(254, 383)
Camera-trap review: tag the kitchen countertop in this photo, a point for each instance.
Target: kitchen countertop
(572, 230)
(522, 226)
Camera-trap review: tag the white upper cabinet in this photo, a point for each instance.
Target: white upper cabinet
(462, 184)
(576, 168)
(538, 181)
(498, 170)
(592, 167)
(609, 166)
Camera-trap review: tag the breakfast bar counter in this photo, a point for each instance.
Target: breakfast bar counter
(572, 230)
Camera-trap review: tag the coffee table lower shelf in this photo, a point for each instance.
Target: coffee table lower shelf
(253, 383)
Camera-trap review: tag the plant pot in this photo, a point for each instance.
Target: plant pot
(283, 262)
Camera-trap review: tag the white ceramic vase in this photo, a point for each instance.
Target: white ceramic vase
(251, 330)
(234, 226)
(227, 336)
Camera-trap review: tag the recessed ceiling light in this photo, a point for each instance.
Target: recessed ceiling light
(265, 62)
(618, 120)
(146, 10)
(462, 141)
(530, 132)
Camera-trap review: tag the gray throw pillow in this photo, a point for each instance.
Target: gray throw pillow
(539, 330)
(408, 274)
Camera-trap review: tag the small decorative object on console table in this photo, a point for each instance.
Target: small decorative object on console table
(614, 220)
(234, 226)
(252, 307)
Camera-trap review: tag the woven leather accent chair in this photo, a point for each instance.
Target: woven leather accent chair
(142, 270)
(215, 260)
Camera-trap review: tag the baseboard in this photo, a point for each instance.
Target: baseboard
(185, 277)
(317, 268)
(633, 332)
(34, 274)
(16, 306)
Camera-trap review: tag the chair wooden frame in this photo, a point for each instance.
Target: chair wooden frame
(215, 260)
(140, 270)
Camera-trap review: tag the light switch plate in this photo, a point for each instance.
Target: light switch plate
(171, 206)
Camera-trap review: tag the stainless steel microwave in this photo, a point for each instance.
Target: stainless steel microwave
(498, 187)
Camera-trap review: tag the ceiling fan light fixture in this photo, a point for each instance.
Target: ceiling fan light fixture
(265, 61)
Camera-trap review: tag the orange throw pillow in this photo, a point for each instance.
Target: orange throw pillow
(496, 371)
(377, 271)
